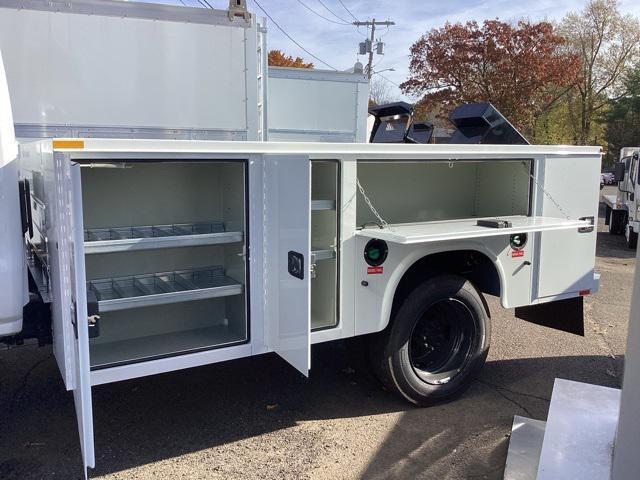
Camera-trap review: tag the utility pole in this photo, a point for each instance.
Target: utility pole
(368, 45)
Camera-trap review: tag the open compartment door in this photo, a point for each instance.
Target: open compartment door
(287, 252)
(470, 228)
(78, 307)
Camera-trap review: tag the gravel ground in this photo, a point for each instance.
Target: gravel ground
(257, 418)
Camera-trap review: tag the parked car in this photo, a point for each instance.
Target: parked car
(609, 178)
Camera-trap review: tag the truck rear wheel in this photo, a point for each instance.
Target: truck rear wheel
(632, 239)
(616, 222)
(437, 343)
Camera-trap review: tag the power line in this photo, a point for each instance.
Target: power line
(385, 78)
(367, 45)
(320, 15)
(348, 11)
(291, 38)
(332, 12)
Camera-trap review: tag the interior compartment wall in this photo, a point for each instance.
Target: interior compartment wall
(406, 192)
(121, 264)
(161, 193)
(157, 320)
(323, 294)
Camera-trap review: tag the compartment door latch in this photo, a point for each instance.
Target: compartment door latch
(93, 314)
(296, 264)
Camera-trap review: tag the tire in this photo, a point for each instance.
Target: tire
(632, 241)
(437, 342)
(616, 223)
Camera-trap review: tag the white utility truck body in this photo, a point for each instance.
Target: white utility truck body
(180, 250)
(622, 210)
(244, 248)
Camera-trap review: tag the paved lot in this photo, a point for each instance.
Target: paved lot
(257, 418)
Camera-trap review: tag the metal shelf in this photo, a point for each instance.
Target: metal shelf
(162, 288)
(323, 205)
(323, 253)
(109, 240)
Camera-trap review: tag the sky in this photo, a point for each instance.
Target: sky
(337, 44)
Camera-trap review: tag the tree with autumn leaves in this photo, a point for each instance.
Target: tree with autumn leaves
(279, 59)
(522, 69)
(558, 84)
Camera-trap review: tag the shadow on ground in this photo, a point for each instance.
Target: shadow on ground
(207, 409)
(150, 419)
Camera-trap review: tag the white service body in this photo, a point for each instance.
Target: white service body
(275, 199)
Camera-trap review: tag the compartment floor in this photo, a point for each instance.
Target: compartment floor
(155, 345)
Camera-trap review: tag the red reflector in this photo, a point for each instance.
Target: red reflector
(584, 292)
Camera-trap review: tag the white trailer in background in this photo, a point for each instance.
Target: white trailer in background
(317, 105)
(104, 68)
(622, 210)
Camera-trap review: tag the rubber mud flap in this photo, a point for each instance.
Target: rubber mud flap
(565, 315)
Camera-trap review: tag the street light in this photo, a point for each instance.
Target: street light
(386, 70)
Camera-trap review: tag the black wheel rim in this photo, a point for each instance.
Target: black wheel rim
(443, 340)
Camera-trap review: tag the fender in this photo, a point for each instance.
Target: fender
(425, 250)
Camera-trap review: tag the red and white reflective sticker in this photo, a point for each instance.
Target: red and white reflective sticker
(517, 253)
(374, 270)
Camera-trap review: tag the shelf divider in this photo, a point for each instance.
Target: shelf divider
(124, 239)
(152, 289)
(323, 253)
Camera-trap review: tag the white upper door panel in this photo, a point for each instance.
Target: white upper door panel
(467, 228)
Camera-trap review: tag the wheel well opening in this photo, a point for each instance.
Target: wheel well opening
(470, 264)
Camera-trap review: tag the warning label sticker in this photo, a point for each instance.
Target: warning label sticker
(517, 253)
(374, 270)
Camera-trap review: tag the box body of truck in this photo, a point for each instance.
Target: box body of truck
(113, 69)
(162, 255)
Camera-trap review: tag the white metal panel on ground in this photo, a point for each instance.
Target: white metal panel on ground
(317, 105)
(467, 228)
(580, 431)
(287, 257)
(120, 71)
(525, 445)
